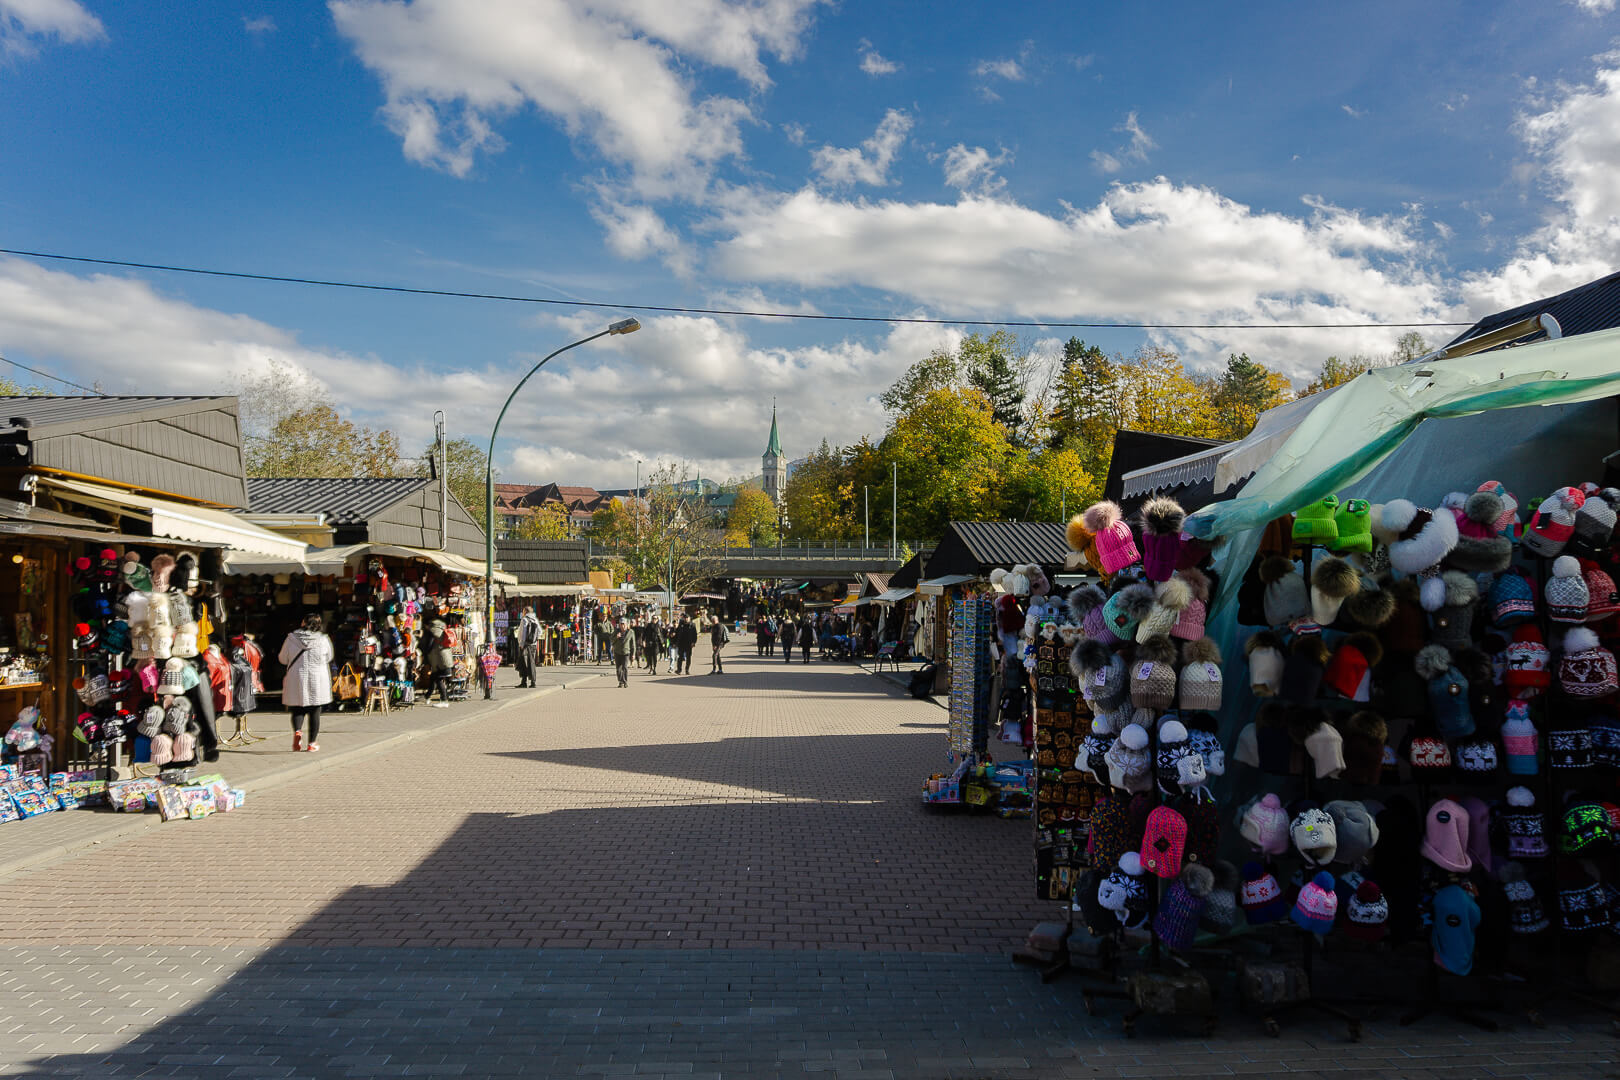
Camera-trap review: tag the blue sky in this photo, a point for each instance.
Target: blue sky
(1280, 164)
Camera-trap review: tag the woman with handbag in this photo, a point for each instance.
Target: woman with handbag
(307, 654)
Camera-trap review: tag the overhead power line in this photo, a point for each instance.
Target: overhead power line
(623, 305)
(48, 375)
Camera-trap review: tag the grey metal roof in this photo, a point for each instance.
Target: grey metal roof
(1582, 310)
(544, 562)
(60, 415)
(977, 547)
(345, 500)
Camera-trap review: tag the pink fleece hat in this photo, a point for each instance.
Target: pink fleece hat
(1265, 825)
(1445, 837)
(1116, 547)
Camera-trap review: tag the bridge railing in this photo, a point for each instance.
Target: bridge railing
(795, 549)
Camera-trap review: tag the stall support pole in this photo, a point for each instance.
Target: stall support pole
(623, 326)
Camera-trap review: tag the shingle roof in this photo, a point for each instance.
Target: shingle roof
(544, 562)
(345, 500)
(1582, 310)
(59, 414)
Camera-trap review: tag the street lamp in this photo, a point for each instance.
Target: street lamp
(623, 326)
(676, 525)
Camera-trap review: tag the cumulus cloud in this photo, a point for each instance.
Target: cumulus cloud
(874, 63)
(974, 169)
(638, 232)
(1005, 68)
(609, 71)
(259, 24)
(23, 21)
(868, 163)
(1134, 152)
(1595, 7)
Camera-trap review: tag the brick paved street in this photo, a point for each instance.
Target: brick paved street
(723, 875)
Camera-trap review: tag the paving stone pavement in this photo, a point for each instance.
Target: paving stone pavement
(702, 876)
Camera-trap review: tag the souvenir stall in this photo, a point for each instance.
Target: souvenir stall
(567, 621)
(1381, 771)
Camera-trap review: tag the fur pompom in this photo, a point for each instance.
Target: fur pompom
(1078, 535)
(1432, 661)
(1460, 588)
(1367, 725)
(1087, 658)
(1198, 880)
(1174, 594)
(1275, 568)
(1084, 600)
(997, 576)
(1099, 516)
(1481, 556)
(1484, 507)
(1172, 731)
(1162, 517)
(1396, 515)
(1580, 639)
(1272, 715)
(1310, 647)
(1263, 639)
(1367, 645)
(1371, 608)
(1303, 722)
(1335, 578)
(1136, 601)
(1158, 649)
(1432, 541)
(1197, 581)
(1131, 863)
(1135, 737)
(1520, 797)
(1566, 566)
(1432, 594)
(1202, 651)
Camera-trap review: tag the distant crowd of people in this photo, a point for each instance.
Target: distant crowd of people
(647, 640)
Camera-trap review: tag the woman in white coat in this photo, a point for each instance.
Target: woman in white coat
(307, 654)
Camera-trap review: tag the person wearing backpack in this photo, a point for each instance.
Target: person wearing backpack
(717, 641)
(307, 654)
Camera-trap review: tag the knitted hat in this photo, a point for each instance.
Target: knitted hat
(1566, 592)
(1130, 765)
(1367, 914)
(1525, 913)
(1521, 744)
(1447, 692)
(1170, 599)
(1161, 537)
(1584, 829)
(1326, 748)
(1091, 757)
(1084, 544)
(1582, 904)
(1605, 729)
(1200, 680)
(1511, 601)
(1221, 906)
(173, 680)
(1153, 674)
(162, 567)
(1587, 671)
(1190, 625)
(1207, 744)
(1314, 836)
(1266, 744)
(1486, 700)
(1508, 523)
(1203, 816)
(1354, 829)
(1332, 582)
(1453, 624)
(1481, 549)
(1101, 674)
(1479, 831)
(1349, 672)
(1445, 837)
(1594, 527)
(1522, 823)
(1430, 756)
(1182, 906)
(1370, 608)
(1111, 832)
(1173, 747)
(1264, 824)
(1286, 597)
(1303, 669)
(1364, 734)
(1083, 601)
(1317, 905)
(1316, 524)
(1163, 842)
(1456, 917)
(1569, 743)
(1116, 547)
(1603, 598)
(1124, 893)
(1265, 655)
(1528, 664)
(1261, 896)
(1554, 523)
(1476, 760)
(1417, 539)
(1125, 610)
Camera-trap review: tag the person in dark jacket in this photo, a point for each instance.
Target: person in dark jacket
(807, 638)
(686, 636)
(788, 635)
(622, 641)
(717, 642)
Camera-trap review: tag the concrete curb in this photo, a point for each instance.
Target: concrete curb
(139, 823)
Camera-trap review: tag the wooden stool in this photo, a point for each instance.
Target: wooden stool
(377, 697)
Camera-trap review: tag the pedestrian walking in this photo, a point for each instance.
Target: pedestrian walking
(668, 645)
(307, 655)
(807, 638)
(649, 645)
(686, 636)
(526, 638)
(621, 644)
(770, 635)
(788, 636)
(718, 636)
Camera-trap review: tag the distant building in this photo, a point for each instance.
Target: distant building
(775, 462)
(515, 502)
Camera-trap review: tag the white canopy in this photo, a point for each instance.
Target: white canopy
(180, 521)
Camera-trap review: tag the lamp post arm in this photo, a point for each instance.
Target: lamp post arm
(489, 490)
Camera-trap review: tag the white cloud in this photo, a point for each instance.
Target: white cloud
(610, 71)
(1134, 152)
(874, 63)
(1595, 7)
(974, 169)
(1008, 69)
(794, 133)
(638, 232)
(259, 24)
(1352, 112)
(1082, 62)
(23, 20)
(868, 163)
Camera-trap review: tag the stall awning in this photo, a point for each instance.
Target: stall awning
(331, 560)
(1229, 463)
(246, 562)
(936, 586)
(893, 596)
(577, 589)
(194, 524)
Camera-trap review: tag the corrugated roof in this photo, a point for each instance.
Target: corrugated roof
(60, 414)
(544, 562)
(875, 584)
(345, 500)
(1582, 310)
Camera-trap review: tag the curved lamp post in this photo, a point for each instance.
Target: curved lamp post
(623, 326)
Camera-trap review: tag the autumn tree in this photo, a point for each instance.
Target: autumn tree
(816, 500)
(1336, 372)
(548, 522)
(751, 519)
(1408, 347)
(952, 456)
(291, 427)
(464, 468)
(1241, 393)
(666, 528)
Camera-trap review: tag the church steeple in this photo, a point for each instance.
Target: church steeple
(774, 474)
